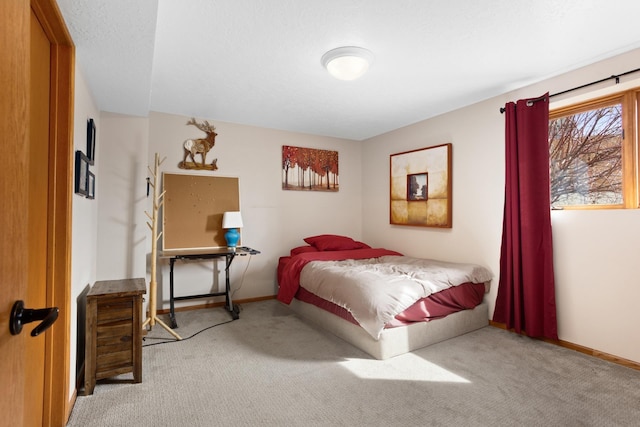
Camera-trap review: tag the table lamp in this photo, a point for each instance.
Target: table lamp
(232, 221)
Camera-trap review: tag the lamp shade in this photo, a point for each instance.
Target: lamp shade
(347, 63)
(232, 220)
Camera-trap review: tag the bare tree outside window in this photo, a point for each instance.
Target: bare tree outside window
(585, 151)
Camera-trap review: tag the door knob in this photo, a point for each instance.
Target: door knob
(21, 316)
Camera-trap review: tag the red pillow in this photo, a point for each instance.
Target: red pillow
(332, 242)
(302, 249)
(363, 245)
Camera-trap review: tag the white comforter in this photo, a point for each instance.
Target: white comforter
(375, 290)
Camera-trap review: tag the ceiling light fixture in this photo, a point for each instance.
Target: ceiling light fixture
(347, 63)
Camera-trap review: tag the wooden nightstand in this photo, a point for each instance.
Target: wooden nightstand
(114, 331)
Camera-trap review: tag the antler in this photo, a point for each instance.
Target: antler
(204, 127)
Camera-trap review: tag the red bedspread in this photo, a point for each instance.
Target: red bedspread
(435, 306)
(289, 272)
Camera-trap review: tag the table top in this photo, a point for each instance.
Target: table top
(119, 287)
(207, 252)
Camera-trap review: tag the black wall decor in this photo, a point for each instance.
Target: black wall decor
(91, 141)
(82, 174)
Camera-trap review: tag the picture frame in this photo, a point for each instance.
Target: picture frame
(91, 141)
(91, 185)
(417, 186)
(81, 173)
(310, 169)
(420, 187)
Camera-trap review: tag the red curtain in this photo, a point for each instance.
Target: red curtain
(526, 291)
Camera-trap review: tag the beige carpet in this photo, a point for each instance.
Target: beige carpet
(269, 368)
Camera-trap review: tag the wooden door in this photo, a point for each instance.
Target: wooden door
(13, 220)
(35, 374)
(37, 235)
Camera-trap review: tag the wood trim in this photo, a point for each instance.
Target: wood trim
(216, 304)
(61, 224)
(629, 144)
(51, 19)
(635, 116)
(57, 405)
(579, 348)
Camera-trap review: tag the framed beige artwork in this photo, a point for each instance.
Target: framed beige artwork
(420, 187)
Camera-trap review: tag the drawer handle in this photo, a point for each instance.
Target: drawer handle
(21, 316)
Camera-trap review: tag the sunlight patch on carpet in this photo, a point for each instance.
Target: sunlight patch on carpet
(407, 367)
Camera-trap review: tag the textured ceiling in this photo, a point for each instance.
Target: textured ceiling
(257, 62)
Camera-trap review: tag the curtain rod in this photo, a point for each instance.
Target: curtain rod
(615, 76)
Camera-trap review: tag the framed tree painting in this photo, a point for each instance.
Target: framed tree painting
(420, 187)
(309, 169)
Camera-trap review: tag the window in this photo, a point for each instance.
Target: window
(592, 153)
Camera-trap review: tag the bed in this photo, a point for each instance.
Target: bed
(379, 300)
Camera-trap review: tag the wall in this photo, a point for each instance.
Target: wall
(121, 196)
(595, 252)
(274, 220)
(84, 233)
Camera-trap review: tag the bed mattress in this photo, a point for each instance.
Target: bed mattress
(395, 341)
(435, 306)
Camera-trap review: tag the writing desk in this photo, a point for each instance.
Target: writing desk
(204, 254)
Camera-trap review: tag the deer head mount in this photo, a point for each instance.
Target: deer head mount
(201, 146)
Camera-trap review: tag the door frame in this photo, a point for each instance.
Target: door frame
(57, 404)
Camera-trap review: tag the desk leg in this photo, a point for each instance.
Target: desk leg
(233, 310)
(172, 314)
